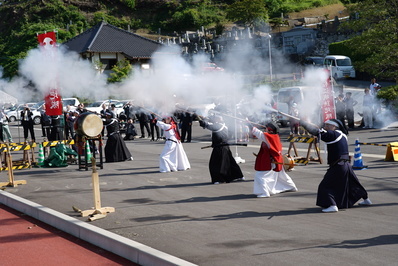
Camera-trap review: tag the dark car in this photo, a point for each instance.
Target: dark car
(314, 61)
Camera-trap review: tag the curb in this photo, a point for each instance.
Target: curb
(119, 245)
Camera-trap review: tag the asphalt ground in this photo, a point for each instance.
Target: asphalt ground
(184, 215)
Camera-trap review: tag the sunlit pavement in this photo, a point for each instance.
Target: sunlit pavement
(184, 215)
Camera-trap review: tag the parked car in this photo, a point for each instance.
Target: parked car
(10, 108)
(15, 115)
(340, 66)
(37, 106)
(72, 102)
(96, 107)
(313, 61)
(119, 107)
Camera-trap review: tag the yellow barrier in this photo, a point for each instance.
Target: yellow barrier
(392, 152)
(7, 148)
(48, 144)
(312, 141)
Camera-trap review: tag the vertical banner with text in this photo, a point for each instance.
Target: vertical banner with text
(328, 106)
(52, 99)
(53, 103)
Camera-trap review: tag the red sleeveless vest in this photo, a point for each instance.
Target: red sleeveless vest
(267, 155)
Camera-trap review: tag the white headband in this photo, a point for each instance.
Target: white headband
(330, 122)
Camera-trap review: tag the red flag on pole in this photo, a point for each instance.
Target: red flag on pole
(47, 39)
(328, 107)
(52, 99)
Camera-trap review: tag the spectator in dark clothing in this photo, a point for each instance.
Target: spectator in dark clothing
(70, 121)
(45, 121)
(80, 108)
(154, 128)
(340, 108)
(143, 119)
(130, 130)
(186, 120)
(27, 123)
(349, 109)
(129, 110)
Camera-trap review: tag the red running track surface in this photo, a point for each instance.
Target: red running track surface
(27, 241)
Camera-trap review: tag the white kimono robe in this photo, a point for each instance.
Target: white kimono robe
(173, 156)
(268, 183)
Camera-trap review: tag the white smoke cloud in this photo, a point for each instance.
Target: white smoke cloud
(316, 79)
(58, 68)
(171, 79)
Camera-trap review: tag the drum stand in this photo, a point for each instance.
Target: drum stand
(83, 154)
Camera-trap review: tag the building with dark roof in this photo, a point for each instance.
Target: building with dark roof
(108, 44)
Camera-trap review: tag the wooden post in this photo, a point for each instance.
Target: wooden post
(292, 145)
(97, 212)
(11, 182)
(316, 149)
(96, 187)
(9, 165)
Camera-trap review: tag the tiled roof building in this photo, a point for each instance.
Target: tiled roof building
(110, 44)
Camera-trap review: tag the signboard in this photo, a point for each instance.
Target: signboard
(328, 106)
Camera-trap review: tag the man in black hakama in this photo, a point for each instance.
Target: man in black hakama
(340, 187)
(222, 165)
(115, 148)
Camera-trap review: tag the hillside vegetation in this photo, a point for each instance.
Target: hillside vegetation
(22, 20)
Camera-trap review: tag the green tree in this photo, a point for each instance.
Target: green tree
(277, 22)
(249, 12)
(121, 71)
(376, 47)
(129, 3)
(188, 15)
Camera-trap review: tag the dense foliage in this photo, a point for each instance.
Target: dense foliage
(375, 49)
(120, 71)
(22, 20)
(249, 11)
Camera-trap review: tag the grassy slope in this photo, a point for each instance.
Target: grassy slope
(331, 10)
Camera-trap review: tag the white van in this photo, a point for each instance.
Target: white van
(340, 66)
(307, 100)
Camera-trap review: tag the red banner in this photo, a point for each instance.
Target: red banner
(328, 107)
(53, 103)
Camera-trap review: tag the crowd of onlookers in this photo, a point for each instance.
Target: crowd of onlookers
(54, 128)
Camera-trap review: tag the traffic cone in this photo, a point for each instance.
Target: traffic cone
(88, 152)
(41, 155)
(358, 163)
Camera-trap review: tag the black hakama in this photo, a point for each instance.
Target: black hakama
(222, 165)
(115, 148)
(340, 187)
